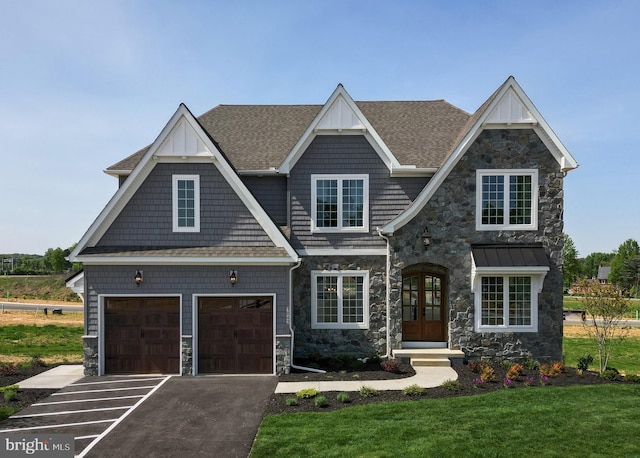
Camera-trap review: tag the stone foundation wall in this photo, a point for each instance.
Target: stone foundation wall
(187, 355)
(283, 355)
(90, 359)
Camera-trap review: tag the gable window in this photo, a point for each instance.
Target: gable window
(507, 199)
(340, 299)
(340, 203)
(186, 203)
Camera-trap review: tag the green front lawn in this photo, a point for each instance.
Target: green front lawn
(41, 341)
(599, 420)
(625, 355)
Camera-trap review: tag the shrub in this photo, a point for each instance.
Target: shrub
(478, 383)
(529, 381)
(584, 362)
(487, 374)
(476, 366)
(514, 371)
(343, 397)
(505, 364)
(507, 382)
(368, 392)
(413, 390)
(36, 361)
(391, 365)
(307, 393)
(632, 378)
(8, 369)
(374, 358)
(292, 402)
(609, 374)
(9, 392)
(552, 370)
(320, 401)
(531, 364)
(451, 385)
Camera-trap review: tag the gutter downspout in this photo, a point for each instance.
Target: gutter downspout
(293, 366)
(388, 293)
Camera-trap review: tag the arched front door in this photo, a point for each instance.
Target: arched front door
(423, 306)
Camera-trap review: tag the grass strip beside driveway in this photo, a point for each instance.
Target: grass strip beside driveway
(553, 422)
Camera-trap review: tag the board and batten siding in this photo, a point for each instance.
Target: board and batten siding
(147, 219)
(347, 154)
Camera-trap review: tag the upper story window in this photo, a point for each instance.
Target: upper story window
(339, 203)
(340, 299)
(186, 203)
(507, 199)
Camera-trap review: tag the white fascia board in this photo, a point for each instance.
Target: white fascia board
(343, 252)
(300, 147)
(185, 261)
(117, 173)
(566, 161)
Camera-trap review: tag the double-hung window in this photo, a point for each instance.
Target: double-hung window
(186, 203)
(340, 203)
(507, 199)
(340, 299)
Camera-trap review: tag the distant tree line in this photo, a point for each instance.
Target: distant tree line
(52, 262)
(624, 263)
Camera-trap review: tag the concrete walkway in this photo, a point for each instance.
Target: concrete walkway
(58, 377)
(426, 377)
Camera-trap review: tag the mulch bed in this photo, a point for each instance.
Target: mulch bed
(23, 398)
(467, 387)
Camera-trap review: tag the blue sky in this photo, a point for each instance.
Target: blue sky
(85, 84)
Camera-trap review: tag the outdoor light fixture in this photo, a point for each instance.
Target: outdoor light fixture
(233, 278)
(138, 277)
(426, 238)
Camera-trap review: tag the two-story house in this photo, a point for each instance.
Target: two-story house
(253, 235)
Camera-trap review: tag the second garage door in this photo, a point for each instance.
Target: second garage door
(235, 335)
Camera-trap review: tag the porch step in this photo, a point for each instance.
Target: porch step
(428, 356)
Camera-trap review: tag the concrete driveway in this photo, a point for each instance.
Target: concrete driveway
(161, 416)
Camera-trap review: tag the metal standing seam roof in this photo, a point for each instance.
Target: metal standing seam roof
(509, 256)
(258, 137)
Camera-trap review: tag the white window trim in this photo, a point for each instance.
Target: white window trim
(340, 274)
(506, 226)
(340, 228)
(196, 180)
(537, 276)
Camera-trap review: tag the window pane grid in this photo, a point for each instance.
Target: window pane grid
(327, 300)
(520, 301)
(520, 199)
(352, 297)
(493, 199)
(186, 203)
(327, 203)
(492, 301)
(352, 203)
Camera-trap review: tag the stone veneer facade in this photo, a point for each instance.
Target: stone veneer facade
(450, 218)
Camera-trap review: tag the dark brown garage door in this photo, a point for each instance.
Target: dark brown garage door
(142, 335)
(235, 335)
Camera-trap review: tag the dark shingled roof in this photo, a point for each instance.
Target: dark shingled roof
(257, 137)
(509, 256)
(180, 252)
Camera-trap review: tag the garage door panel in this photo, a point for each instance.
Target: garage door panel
(235, 335)
(142, 335)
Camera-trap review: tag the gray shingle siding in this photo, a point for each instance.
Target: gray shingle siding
(336, 154)
(271, 193)
(186, 281)
(147, 220)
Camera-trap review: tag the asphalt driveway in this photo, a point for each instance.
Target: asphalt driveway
(160, 416)
(192, 416)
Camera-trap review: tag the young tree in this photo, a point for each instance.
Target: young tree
(570, 264)
(604, 307)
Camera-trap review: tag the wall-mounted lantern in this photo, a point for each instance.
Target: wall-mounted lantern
(426, 238)
(233, 277)
(138, 277)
